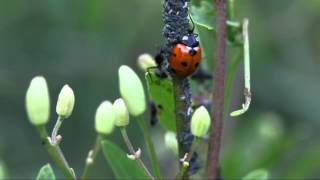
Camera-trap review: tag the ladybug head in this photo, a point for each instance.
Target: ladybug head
(190, 40)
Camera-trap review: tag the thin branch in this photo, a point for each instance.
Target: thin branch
(55, 153)
(134, 153)
(247, 86)
(55, 140)
(150, 147)
(91, 158)
(218, 94)
(55, 131)
(186, 160)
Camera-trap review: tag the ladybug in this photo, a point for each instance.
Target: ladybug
(185, 56)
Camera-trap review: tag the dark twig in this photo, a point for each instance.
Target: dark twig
(218, 94)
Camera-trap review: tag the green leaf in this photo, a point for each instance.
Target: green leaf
(122, 167)
(161, 93)
(203, 17)
(258, 174)
(46, 173)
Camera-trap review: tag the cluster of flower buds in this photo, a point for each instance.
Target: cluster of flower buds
(38, 101)
(132, 102)
(107, 114)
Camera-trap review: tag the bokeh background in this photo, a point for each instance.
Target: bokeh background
(83, 43)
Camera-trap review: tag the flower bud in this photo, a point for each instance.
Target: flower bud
(171, 142)
(122, 114)
(38, 101)
(131, 90)
(146, 61)
(200, 122)
(105, 118)
(65, 102)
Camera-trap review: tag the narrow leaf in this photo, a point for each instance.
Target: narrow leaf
(258, 174)
(46, 173)
(122, 167)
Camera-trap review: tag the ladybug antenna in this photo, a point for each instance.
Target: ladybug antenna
(193, 26)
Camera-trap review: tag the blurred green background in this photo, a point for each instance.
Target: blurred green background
(83, 43)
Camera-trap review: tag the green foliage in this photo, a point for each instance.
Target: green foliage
(3, 170)
(203, 17)
(121, 165)
(161, 93)
(46, 173)
(258, 174)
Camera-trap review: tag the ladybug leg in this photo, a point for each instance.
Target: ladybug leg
(159, 60)
(160, 73)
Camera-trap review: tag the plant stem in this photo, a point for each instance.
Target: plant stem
(247, 91)
(231, 9)
(218, 93)
(182, 100)
(133, 152)
(184, 167)
(91, 158)
(150, 147)
(55, 153)
(56, 130)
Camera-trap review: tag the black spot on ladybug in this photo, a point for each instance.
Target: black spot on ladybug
(192, 52)
(173, 70)
(174, 54)
(196, 65)
(184, 64)
(160, 106)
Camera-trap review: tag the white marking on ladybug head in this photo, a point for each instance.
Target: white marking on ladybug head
(185, 38)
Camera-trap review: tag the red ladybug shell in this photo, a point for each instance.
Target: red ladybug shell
(182, 63)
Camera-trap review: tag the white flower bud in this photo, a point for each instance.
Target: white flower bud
(146, 61)
(171, 142)
(122, 114)
(65, 102)
(200, 122)
(38, 101)
(132, 91)
(105, 118)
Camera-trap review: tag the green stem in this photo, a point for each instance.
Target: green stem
(55, 154)
(230, 9)
(150, 147)
(91, 158)
(133, 152)
(56, 130)
(247, 91)
(185, 163)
